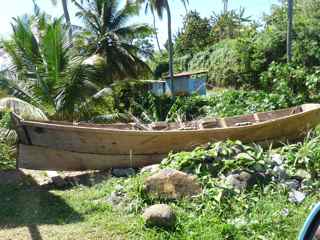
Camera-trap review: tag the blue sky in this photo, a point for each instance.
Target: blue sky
(254, 8)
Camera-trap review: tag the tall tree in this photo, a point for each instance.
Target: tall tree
(108, 34)
(45, 72)
(161, 6)
(66, 14)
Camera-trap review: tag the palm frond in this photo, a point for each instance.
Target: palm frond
(22, 108)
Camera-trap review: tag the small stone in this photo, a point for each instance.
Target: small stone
(292, 184)
(285, 212)
(244, 180)
(160, 215)
(114, 199)
(279, 172)
(151, 169)
(277, 159)
(119, 188)
(123, 172)
(296, 196)
(172, 184)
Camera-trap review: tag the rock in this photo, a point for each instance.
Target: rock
(56, 179)
(277, 159)
(159, 215)
(116, 196)
(296, 196)
(244, 180)
(123, 172)
(279, 172)
(292, 184)
(172, 184)
(151, 169)
(285, 212)
(302, 174)
(114, 199)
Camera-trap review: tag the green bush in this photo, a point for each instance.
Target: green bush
(131, 98)
(7, 160)
(216, 159)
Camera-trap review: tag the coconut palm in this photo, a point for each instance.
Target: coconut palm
(108, 34)
(44, 72)
(161, 6)
(66, 14)
(289, 34)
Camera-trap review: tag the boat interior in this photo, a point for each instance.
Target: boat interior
(206, 123)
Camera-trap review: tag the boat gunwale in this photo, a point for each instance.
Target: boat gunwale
(103, 129)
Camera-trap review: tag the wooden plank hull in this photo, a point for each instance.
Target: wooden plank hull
(41, 158)
(69, 147)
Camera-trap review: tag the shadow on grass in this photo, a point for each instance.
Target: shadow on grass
(32, 205)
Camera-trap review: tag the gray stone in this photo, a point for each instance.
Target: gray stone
(279, 172)
(244, 180)
(117, 196)
(296, 196)
(114, 199)
(277, 159)
(292, 184)
(159, 215)
(172, 184)
(151, 169)
(123, 172)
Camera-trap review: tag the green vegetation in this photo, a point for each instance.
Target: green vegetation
(262, 212)
(92, 73)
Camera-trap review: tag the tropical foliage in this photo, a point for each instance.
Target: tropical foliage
(107, 32)
(44, 71)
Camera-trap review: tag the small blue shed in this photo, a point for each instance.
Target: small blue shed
(187, 83)
(157, 87)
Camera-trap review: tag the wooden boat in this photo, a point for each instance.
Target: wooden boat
(68, 146)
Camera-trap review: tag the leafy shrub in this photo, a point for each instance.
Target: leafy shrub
(231, 102)
(304, 155)
(130, 98)
(217, 158)
(7, 161)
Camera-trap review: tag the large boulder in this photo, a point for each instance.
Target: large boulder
(172, 184)
(151, 169)
(159, 215)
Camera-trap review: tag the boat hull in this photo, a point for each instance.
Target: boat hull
(67, 147)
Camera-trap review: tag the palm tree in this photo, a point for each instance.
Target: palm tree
(108, 34)
(225, 5)
(289, 34)
(66, 14)
(44, 71)
(160, 6)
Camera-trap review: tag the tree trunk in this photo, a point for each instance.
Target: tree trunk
(67, 17)
(289, 34)
(171, 70)
(156, 32)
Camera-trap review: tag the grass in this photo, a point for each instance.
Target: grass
(33, 213)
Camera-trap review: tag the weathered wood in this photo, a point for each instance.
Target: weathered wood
(40, 158)
(59, 146)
